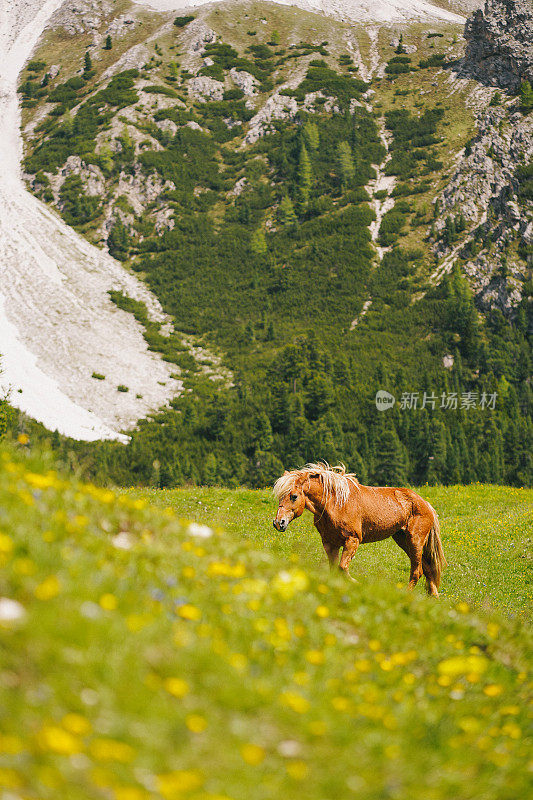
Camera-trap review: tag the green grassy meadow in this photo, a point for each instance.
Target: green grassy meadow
(487, 533)
(170, 645)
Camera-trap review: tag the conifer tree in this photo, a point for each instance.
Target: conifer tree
(346, 165)
(390, 467)
(526, 96)
(258, 244)
(305, 176)
(87, 64)
(287, 215)
(312, 136)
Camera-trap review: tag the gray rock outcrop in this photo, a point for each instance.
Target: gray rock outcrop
(499, 39)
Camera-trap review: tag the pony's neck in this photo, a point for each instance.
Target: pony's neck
(314, 496)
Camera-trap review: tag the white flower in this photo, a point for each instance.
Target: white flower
(200, 531)
(123, 541)
(289, 748)
(11, 610)
(90, 610)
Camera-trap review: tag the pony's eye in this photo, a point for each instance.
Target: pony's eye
(294, 498)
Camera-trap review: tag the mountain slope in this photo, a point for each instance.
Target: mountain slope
(279, 178)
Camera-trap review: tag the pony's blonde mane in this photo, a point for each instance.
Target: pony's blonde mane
(335, 481)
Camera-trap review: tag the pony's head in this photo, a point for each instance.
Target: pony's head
(289, 491)
(294, 488)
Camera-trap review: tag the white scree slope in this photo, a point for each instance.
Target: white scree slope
(57, 323)
(369, 11)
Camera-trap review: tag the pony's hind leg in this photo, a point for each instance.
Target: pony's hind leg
(431, 578)
(410, 545)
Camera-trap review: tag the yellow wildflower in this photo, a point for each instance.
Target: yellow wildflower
(253, 754)
(469, 724)
(9, 778)
(196, 723)
(108, 602)
(39, 481)
(297, 770)
(174, 785)
(512, 729)
(493, 690)
(76, 724)
(315, 656)
(54, 739)
(190, 612)
(295, 702)
(48, 589)
(340, 703)
(188, 572)
(176, 687)
(322, 612)
(460, 665)
(238, 661)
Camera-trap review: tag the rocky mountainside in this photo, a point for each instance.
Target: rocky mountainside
(489, 192)
(334, 208)
(499, 39)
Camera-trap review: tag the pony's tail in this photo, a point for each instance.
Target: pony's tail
(433, 553)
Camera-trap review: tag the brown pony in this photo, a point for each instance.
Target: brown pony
(348, 514)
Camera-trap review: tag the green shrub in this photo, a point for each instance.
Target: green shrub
(435, 60)
(77, 208)
(181, 22)
(36, 66)
(233, 94)
(158, 89)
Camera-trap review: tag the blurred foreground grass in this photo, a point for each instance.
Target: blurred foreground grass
(143, 656)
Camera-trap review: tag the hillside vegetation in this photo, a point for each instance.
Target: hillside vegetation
(147, 656)
(255, 233)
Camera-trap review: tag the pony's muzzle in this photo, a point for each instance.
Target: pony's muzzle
(280, 524)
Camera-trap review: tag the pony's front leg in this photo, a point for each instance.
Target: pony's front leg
(350, 548)
(332, 553)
